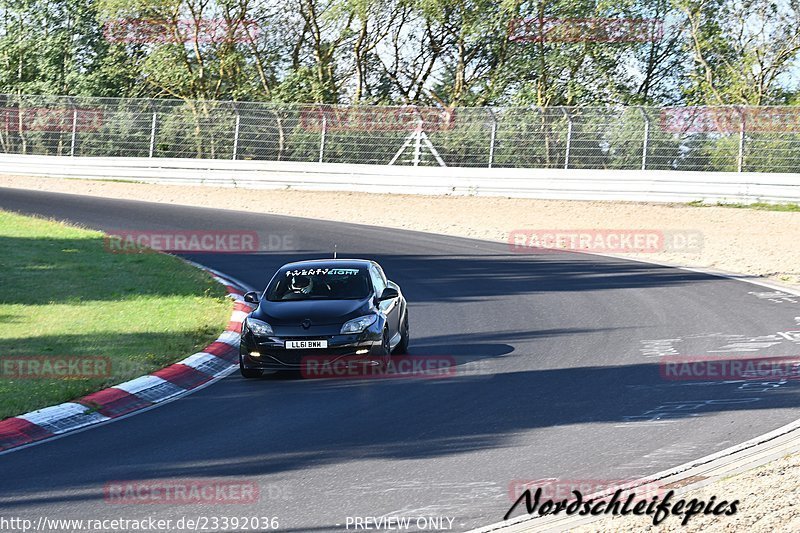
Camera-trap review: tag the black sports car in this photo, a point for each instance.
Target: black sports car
(334, 308)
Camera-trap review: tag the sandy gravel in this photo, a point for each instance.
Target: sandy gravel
(768, 499)
(759, 243)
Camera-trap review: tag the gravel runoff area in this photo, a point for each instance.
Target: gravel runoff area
(759, 243)
(768, 498)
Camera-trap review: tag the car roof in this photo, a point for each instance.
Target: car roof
(329, 263)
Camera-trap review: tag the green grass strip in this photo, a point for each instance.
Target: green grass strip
(758, 206)
(62, 294)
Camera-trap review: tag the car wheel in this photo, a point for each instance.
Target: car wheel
(405, 336)
(248, 372)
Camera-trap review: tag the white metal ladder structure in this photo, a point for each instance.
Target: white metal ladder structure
(418, 137)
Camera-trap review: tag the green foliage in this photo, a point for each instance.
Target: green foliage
(428, 52)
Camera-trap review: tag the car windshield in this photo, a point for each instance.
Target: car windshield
(319, 284)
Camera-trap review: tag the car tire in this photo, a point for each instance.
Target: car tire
(405, 336)
(386, 349)
(248, 372)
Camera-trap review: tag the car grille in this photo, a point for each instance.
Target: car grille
(295, 357)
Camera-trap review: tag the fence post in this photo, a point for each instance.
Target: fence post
(236, 137)
(418, 143)
(741, 141)
(74, 132)
(646, 137)
(322, 138)
(491, 140)
(543, 134)
(569, 137)
(153, 135)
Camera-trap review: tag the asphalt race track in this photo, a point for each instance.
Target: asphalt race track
(559, 381)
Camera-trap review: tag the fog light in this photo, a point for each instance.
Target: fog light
(255, 354)
(360, 352)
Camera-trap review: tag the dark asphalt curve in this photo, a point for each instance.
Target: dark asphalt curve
(558, 379)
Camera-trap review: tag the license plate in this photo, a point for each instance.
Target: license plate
(305, 345)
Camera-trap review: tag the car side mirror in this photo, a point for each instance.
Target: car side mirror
(388, 293)
(251, 297)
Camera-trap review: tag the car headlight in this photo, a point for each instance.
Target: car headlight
(258, 327)
(357, 325)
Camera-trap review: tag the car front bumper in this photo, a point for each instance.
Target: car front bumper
(270, 354)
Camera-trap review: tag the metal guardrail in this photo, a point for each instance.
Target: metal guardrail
(573, 184)
(722, 139)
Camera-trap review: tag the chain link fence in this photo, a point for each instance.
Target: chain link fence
(729, 138)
